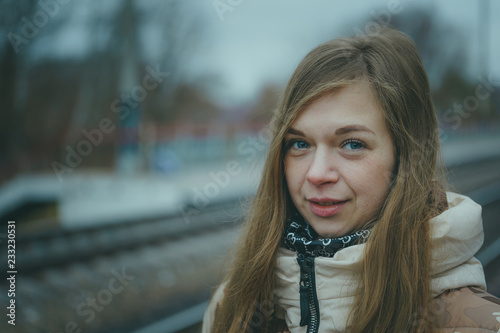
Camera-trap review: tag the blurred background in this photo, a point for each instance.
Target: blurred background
(132, 135)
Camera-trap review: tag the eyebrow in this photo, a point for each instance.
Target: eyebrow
(340, 131)
(292, 130)
(353, 128)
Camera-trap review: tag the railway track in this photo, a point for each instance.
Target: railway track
(86, 277)
(62, 247)
(122, 278)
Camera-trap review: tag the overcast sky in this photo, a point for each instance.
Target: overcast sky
(263, 40)
(256, 42)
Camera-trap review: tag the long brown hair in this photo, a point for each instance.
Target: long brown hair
(393, 293)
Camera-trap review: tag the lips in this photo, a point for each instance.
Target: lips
(328, 203)
(325, 207)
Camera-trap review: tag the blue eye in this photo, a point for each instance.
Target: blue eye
(297, 144)
(353, 144)
(300, 145)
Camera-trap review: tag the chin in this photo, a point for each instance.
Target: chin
(329, 232)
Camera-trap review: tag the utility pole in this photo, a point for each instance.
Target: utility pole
(129, 149)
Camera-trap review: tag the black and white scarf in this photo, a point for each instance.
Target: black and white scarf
(300, 237)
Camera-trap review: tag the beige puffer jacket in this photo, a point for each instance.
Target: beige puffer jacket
(458, 279)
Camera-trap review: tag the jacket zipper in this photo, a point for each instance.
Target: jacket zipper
(309, 308)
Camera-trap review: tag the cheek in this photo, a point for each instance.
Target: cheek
(379, 170)
(293, 175)
(289, 170)
(372, 180)
(383, 173)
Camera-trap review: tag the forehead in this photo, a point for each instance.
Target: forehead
(353, 104)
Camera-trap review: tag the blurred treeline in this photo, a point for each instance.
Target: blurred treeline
(47, 99)
(466, 100)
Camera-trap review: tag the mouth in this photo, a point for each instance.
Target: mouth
(327, 203)
(326, 207)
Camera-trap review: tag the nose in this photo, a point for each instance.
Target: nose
(323, 169)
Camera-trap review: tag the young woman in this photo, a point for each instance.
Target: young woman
(350, 230)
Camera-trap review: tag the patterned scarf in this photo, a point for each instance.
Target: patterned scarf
(301, 238)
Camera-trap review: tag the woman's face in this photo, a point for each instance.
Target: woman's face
(339, 157)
